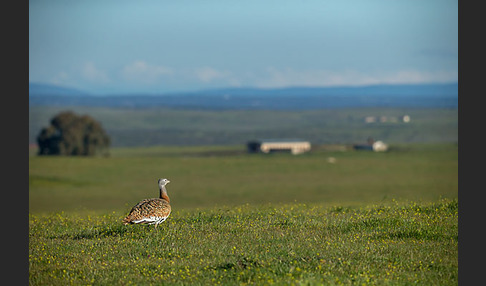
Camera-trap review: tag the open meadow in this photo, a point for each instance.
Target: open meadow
(361, 218)
(135, 127)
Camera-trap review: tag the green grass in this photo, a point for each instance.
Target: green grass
(395, 243)
(369, 218)
(160, 126)
(227, 176)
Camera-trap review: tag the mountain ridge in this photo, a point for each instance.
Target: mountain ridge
(410, 95)
(51, 89)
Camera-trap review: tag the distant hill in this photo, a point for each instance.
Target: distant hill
(370, 90)
(294, 98)
(40, 89)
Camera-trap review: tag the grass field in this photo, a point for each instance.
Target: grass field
(290, 244)
(215, 176)
(160, 126)
(368, 218)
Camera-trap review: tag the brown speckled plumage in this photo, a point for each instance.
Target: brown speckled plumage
(151, 211)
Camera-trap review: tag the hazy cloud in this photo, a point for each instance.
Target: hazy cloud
(61, 78)
(141, 71)
(289, 77)
(208, 74)
(413, 76)
(92, 73)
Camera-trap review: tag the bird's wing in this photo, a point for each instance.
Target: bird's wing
(149, 208)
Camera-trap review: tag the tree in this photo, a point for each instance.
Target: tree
(71, 134)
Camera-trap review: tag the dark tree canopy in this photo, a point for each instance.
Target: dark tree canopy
(71, 134)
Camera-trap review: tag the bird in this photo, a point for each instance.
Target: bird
(151, 211)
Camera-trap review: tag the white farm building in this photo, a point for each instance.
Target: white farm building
(377, 146)
(294, 146)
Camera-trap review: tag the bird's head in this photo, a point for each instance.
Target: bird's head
(163, 182)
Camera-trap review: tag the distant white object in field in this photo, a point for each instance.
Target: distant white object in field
(331, 160)
(294, 146)
(379, 146)
(151, 211)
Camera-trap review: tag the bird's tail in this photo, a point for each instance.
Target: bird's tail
(126, 220)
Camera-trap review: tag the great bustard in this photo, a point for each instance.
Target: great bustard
(151, 211)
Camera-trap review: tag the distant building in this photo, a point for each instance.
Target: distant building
(294, 146)
(386, 119)
(370, 119)
(383, 119)
(379, 146)
(372, 145)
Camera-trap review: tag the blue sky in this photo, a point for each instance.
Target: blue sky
(161, 46)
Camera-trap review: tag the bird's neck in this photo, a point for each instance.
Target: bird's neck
(163, 194)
